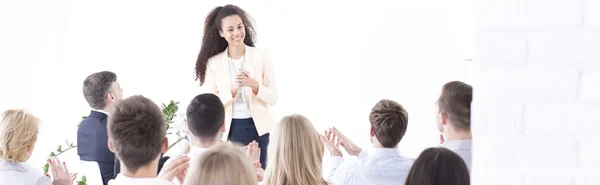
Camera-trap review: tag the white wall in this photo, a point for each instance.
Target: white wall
(333, 60)
(536, 104)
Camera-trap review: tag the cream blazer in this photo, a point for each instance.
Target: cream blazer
(258, 64)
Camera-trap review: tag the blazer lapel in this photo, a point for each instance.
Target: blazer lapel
(224, 73)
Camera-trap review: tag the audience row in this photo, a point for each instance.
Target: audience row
(137, 137)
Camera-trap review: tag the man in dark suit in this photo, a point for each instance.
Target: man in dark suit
(101, 90)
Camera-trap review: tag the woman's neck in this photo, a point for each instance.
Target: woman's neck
(236, 52)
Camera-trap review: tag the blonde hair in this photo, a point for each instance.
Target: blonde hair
(18, 133)
(296, 154)
(222, 164)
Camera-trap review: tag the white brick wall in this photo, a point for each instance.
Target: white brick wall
(592, 13)
(536, 106)
(515, 13)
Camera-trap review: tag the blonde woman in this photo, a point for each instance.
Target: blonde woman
(223, 164)
(296, 154)
(18, 134)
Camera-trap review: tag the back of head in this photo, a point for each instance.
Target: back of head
(18, 134)
(205, 115)
(438, 166)
(213, 43)
(455, 102)
(296, 154)
(96, 87)
(224, 164)
(136, 129)
(389, 121)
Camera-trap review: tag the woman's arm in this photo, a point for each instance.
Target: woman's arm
(267, 90)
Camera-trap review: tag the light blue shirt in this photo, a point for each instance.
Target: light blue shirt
(462, 148)
(384, 165)
(21, 174)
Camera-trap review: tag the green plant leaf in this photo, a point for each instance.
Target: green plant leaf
(52, 154)
(83, 178)
(59, 149)
(45, 168)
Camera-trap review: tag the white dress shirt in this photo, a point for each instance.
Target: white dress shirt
(124, 180)
(384, 165)
(21, 174)
(462, 148)
(241, 108)
(101, 111)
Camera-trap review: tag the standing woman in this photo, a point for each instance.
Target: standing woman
(240, 74)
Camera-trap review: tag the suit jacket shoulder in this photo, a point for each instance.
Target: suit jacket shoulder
(92, 139)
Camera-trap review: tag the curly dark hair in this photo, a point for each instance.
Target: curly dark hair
(213, 43)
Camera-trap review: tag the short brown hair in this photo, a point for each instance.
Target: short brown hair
(389, 121)
(96, 87)
(137, 130)
(455, 102)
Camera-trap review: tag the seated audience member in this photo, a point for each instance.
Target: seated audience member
(454, 118)
(205, 124)
(18, 134)
(438, 166)
(137, 135)
(296, 154)
(384, 162)
(101, 91)
(222, 164)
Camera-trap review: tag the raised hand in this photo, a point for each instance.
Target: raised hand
(176, 169)
(60, 173)
(260, 173)
(331, 143)
(73, 177)
(346, 143)
(253, 151)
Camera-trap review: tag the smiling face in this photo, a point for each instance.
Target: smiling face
(233, 30)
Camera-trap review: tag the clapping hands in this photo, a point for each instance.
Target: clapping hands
(253, 153)
(333, 138)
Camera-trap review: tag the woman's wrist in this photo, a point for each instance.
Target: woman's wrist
(255, 87)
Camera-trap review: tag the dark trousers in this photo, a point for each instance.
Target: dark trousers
(106, 171)
(243, 131)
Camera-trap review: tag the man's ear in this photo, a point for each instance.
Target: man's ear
(372, 132)
(110, 96)
(165, 146)
(111, 147)
(444, 118)
(223, 129)
(185, 126)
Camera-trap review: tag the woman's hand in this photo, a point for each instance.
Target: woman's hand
(253, 151)
(331, 143)
(176, 169)
(346, 143)
(60, 173)
(260, 173)
(244, 79)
